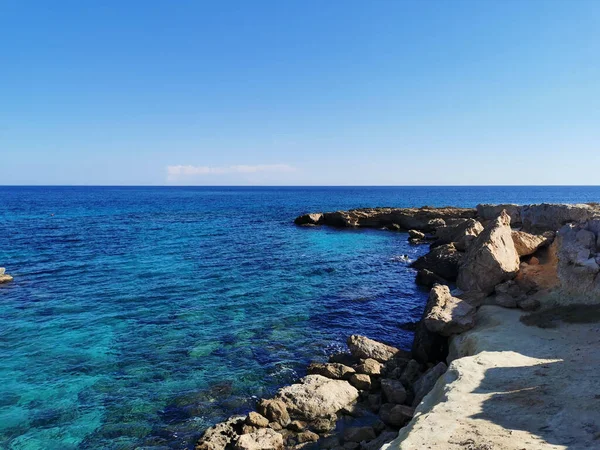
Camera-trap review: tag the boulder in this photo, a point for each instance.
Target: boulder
(491, 259)
(393, 390)
(411, 373)
(448, 315)
(508, 294)
(263, 439)
(425, 384)
(362, 347)
(221, 435)
(307, 436)
(335, 371)
(461, 234)
(526, 243)
(316, 396)
(487, 212)
(257, 420)
(275, 411)
(427, 278)
(297, 425)
(551, 217)
(414, 234)
(309, 219)
(428, 346)
(396, 415)
(443, 260)
(376, 444)
(4, 277)
(359, 434)
(361, 381)
(370, 367)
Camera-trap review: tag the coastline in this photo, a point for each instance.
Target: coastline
(497, 254)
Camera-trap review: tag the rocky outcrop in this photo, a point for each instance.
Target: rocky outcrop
(527, 244)
(427, 278)
(448, 315)
(578, 268)
(4, 277)
(363, 347)
(222, 434)
(316, 396)
(461, 235)
(491, 259)
(487, 212)
(424, 219)
(443, 261)
(551, 217)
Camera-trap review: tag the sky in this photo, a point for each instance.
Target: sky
(299, 92)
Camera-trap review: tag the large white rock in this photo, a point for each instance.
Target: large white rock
(527, 243)
(316, 396)
(448, 315)
(491, 259)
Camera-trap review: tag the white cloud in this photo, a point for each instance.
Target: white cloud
(175, 173)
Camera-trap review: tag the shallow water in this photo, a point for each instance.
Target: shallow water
(139, 316)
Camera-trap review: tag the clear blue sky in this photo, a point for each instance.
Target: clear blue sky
(300, 92)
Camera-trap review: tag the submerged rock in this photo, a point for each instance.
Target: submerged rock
(491, 259)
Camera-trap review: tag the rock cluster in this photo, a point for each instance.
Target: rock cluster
(357, 400)
(4, 277)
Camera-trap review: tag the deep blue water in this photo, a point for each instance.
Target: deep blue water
(139, 316)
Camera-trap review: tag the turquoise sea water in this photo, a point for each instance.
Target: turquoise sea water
(139, 316)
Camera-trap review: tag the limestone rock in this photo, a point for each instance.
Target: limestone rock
(491, 259)
(425, 384)
(443, 260)
(526, 243)
(414, 234)
(427, 278)
(307, 436)
(219, 436)
(361, 381)
(257, 420)
(297, 425)
(461, 234)
(393, 390)
(396, 415)
(4, 277)
(364, 348)
(487, 212)
(411, 373)
(448, 315)
(316, 396)
(335, 371)
(263, 439)
(551, 217)
(370, 367)
(275, 411)
(309, 219)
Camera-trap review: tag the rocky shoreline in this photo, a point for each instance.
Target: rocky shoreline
(529, 257)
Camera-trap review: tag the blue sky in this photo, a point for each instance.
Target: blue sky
(300, 92)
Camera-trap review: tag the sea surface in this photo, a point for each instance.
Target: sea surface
(141, 315)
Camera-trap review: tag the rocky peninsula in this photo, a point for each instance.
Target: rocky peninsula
(505, 355)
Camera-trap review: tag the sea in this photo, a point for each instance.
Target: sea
(139, 316)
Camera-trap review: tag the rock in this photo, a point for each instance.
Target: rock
(505, 300)
(316, 396)
(443, 260)
(297, 425)
(374, 401)
(411, 373)
(533, 261)
(274, 410)
(307, 436)
(335, 371)
(275, 426)
(359, 434)
(414, 234)
(508, 294)
(396, 415)
(343, 358)
(491, 259)
(257, 420)
(323, 425)
(351, 446)
(370, 367)
(376, 444)
(309, 219)
(461, 234)
(529, 304)
(487, 212)
(427, 278)
(221, 435)
(361, 381)
(424, 219)
(428, 346)
(526, 243)
(551, 217)
(425, 384)
(364, 348)
(263, 439)
(448, 315)
(329, 442)
(5, 278)
(393, 390)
